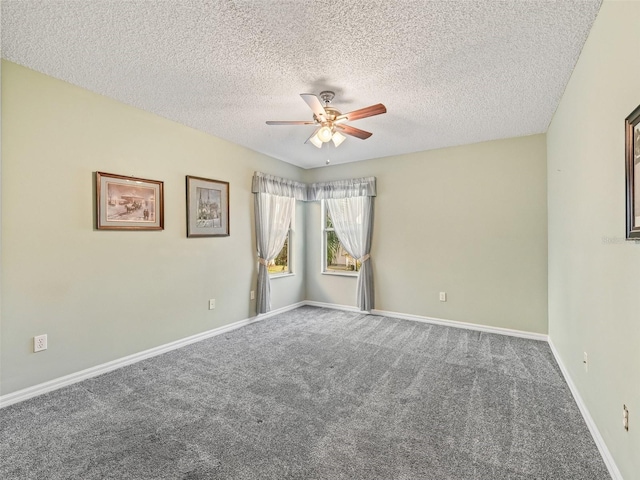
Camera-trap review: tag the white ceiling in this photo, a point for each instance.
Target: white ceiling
(449, 72)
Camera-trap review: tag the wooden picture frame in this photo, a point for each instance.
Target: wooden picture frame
(632, 157)
(207, 207)
(128, 203)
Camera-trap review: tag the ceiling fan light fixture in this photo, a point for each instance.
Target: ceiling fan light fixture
(324, 134)
(328, 120)
(316, 141)
(338, 138)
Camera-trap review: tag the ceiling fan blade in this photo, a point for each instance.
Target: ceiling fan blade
(316, 105)
(363, 113)
(354, 132)
(301, 122)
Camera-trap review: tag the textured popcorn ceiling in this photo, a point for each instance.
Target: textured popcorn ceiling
(449, 72)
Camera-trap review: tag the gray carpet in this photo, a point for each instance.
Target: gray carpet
(313, 394)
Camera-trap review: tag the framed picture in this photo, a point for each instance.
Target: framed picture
(207, 207)
(128, 203)
(632, 154)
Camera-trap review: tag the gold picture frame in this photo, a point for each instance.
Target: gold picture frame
(128, 203)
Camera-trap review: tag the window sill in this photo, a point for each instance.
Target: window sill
(281, 275)
(340, 274)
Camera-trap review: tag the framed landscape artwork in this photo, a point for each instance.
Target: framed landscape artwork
(207, 207)
(632, 154)
(128, 203)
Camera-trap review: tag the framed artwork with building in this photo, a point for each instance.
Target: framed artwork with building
(632, 157)
(128, 203)
(207, 207)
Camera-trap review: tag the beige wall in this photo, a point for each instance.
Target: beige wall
(102, 295)
(594, 274)
(470, 221)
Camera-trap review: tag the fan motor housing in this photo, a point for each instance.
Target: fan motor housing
(331, 114)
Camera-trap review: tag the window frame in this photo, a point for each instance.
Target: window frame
(324, 270)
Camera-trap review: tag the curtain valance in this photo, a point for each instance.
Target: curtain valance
(282, 187)
(353, 187)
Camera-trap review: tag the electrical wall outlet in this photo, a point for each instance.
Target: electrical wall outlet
(39, 343)
(212, 304)
(253, 295)
(443, 296)
(625, 417)
(585, 361)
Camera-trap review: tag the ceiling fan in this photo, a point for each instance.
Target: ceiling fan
(330, 122)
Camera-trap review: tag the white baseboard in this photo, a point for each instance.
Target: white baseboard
(437, 321)
(465, 325)
(24, 394)
(333, 306)
(21, 395)
(595, 433)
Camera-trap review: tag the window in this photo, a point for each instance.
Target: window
(335, 258)
(281, 265)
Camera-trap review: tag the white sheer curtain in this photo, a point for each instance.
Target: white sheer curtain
(352, 219)
(350, 204)
(273, 218)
